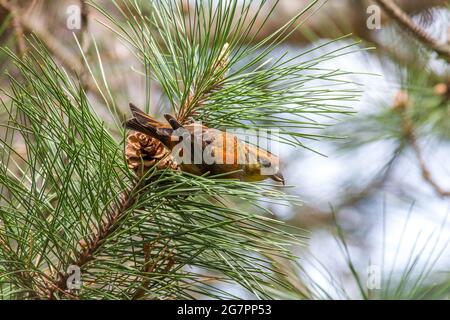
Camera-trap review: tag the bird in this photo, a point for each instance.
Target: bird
(200, 150)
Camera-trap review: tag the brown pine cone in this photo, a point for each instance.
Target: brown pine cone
(143, 152)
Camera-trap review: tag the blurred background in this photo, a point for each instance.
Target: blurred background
(377, 192)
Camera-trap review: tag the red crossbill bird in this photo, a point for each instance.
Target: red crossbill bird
(201, 150)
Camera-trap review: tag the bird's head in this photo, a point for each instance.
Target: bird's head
(263, 165)
(270, 167)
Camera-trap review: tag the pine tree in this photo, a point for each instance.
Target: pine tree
(77, 222)
(90, 210)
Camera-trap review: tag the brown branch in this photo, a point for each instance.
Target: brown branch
(148, 267)
(426, 173)
(17, 25)
(47, 38)
(59, 51)
(84, 25)
(84, 41)
(396, 13)
(150, 264)
(401, 105)
(52, 44)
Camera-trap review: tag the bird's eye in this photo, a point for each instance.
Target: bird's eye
(265, 163)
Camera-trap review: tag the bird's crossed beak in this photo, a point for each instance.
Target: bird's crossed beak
(278, 177)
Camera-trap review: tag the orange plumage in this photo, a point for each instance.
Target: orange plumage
(202, 150)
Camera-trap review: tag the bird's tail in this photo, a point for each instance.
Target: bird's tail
(144, 123)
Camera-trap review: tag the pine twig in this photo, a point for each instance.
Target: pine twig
(16, 24)
(196, 100)
(26, 277)
(426, 173)
(50, 42)
(84, 40)
(84, 25)
(396, 13)
(150, 264)
(64, 56)
(149, 267)
(411, 137)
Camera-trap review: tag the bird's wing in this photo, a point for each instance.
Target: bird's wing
(144, 123)
(144, 118)
(173, 122)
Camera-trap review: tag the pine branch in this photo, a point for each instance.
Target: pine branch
(402, 105)
(150, 266)
(25, 278)
(85, 42)
(16, 24)
(198, 98)
(84, 14)
(426, 173)
(396, 13)
(127, 199)
(259, 91)
(67, 190)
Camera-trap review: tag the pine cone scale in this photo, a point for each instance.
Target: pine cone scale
(143, 152)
